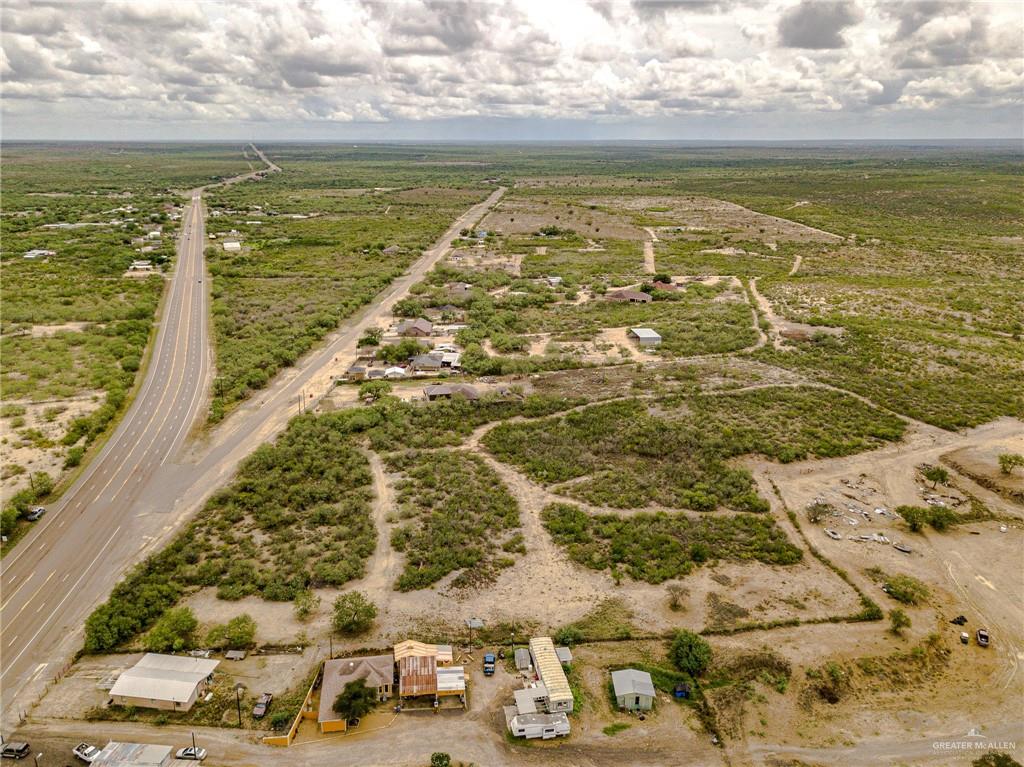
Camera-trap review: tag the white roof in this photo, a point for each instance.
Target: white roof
(231, 245)
(116, 754)
(452, 679)
(645, 333)
(163, 677)
(630, 681)
(549, 669)
(525, 702)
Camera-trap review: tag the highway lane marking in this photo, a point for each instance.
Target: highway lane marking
(99, 466)
(29, 600)
(163, 395)
(71, 592)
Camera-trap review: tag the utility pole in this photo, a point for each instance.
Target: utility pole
(238, 704)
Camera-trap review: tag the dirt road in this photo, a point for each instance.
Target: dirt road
(649, 250)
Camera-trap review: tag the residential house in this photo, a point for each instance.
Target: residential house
(449, 391)
(418, 328)
(168, 682)
(550, 672)
(425, 363)
(376, 671)
(632, 296)
(634, 690)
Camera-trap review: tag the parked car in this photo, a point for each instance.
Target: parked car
(193, 753)
(965, 638)
(982, 637)
(262, 704)
(85, 752)
(15, 750)
(489, 664)
(35, 514)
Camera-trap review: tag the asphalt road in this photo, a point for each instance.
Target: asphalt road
(144, 484)
(62, 559)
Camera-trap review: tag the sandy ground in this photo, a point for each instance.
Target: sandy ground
(16, 451)
(525, 215)
(781, 329)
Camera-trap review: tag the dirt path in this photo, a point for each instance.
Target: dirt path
(832, 235)
(796, 265)
(769, 313)
(384, 567)
(649, 250)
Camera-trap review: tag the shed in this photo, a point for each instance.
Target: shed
(551, 673)
(564, 655)
(530, 699)
(356, 373)
(632, 296)
(394, 372)
(232, 246)
(634, 689)
(377, 671)
(410, 647)
(374, 374)
(645, 336)
(523, 662)
(234, 655)
(449, 391)
(170, 682)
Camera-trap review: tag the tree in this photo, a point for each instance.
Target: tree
(174, 630)
(239, 633)
(306, 605)
(689, 653)
(403, 350)
(995, 759)
(898, 621)
(353, 613)
(914, 516)
(356, 700)
(1010, 461)
(936, 475)
(440, 759)
(371, 337)
(374, 389)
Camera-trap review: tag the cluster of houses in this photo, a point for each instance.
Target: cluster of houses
(417, 674)
(542, 706)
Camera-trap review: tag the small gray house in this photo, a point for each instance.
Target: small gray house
(634, 690)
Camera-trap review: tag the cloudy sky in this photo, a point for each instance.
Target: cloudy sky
(521, 69)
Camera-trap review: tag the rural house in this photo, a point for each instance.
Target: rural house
(550, 671)
(376, 671)
(634, 690)
(449, 391)
(426, 363)
(418, 328)
(632, 296)
(168, 682)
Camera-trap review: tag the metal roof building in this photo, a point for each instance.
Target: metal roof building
(171, 682)
(550, 671)
(116, 754)
(645, 336)
(634, 689)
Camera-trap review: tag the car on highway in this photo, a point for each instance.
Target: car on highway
(86, 752)
(191, 753)
(35, 514)
(262, 704)
(15, 750)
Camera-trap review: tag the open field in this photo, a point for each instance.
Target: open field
(746, 479)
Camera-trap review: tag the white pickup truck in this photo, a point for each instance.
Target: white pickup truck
(85, 752)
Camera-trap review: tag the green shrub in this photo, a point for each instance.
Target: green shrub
(354, 613)
(689, 653)
(173, 631)
(239, 633)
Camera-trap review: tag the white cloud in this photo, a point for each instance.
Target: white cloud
(324, 62)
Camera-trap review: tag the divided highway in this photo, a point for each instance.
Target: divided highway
(52, 578)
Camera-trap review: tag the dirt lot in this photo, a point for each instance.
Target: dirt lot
(525, 215)
(51, 418)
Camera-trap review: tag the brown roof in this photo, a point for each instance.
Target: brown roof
(629, 295)
(417, 675)
(376, 670)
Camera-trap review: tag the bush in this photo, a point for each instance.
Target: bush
(1010, 461)
(280, 720)
(568, 636)
(353, 613)
(306, 605)
(906, 589)
(939, 517)
(239, 633)
(440, 759)
(173, 631)
(374, 390)
(689, 653)
(898, 621)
